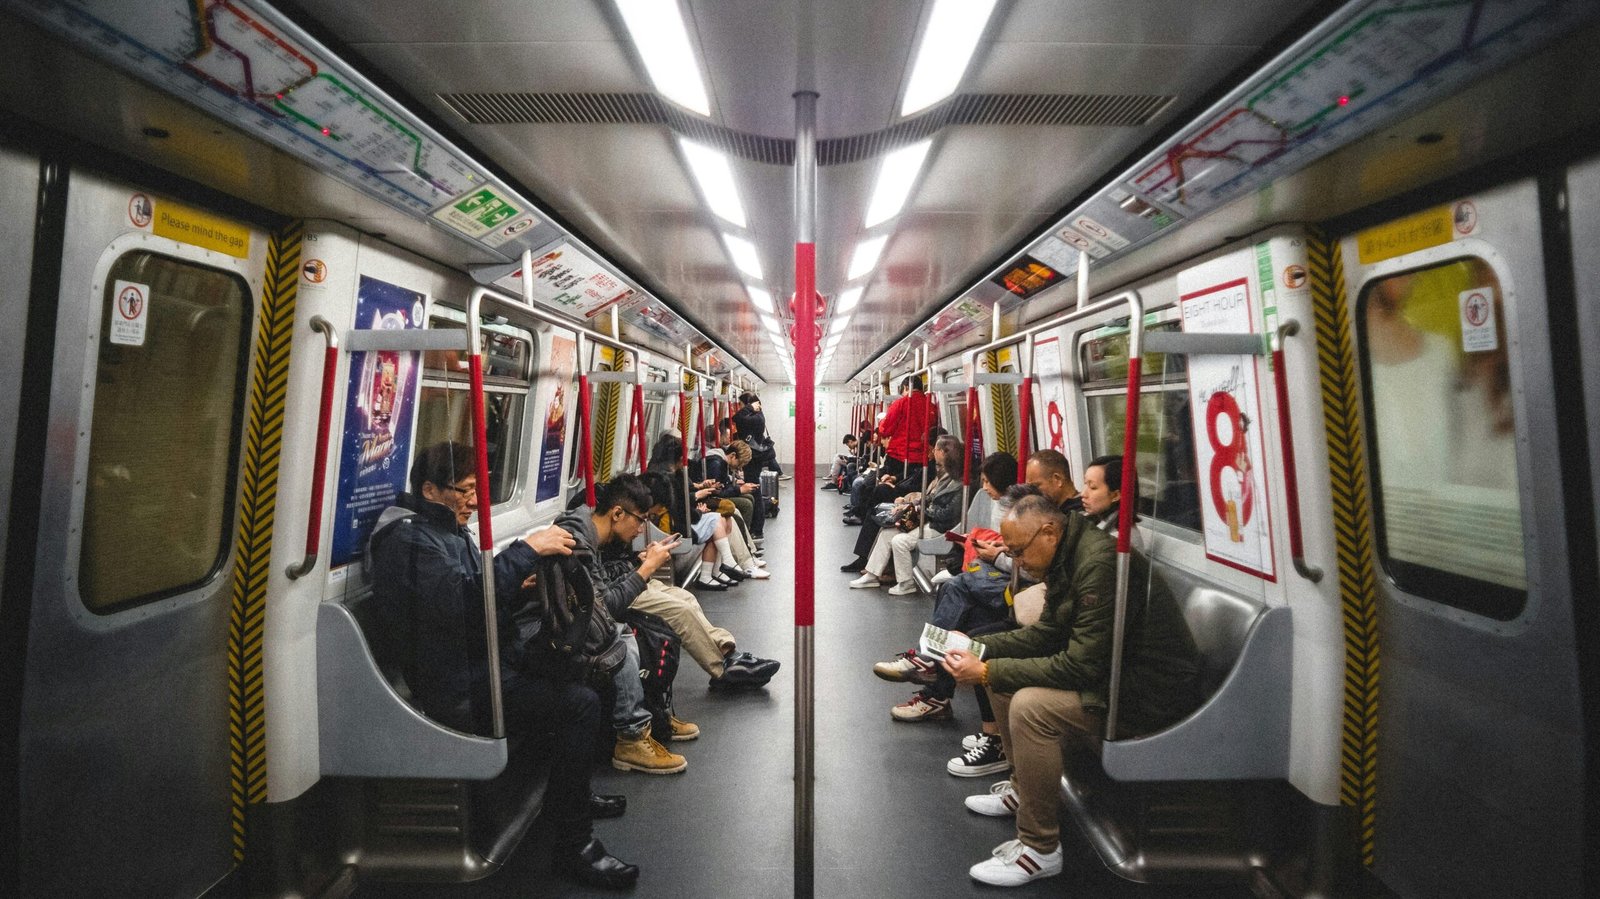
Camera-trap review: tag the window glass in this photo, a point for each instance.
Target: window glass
(1441, 434)
(445, 411)
(163, 443)
(1167, 488)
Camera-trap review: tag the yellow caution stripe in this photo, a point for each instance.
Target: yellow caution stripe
(258, 501)
(1352, 520)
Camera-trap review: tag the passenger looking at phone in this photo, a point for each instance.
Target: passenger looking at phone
(897, 542)
(428, 586)
(621, 575)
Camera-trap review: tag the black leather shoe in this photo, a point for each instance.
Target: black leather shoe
(854, 566)
(603, 806)
(594, 866)
(733, 573)
(851, 520)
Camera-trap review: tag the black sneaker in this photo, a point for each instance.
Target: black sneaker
(987, 757)
(741, 669)
(854, 566)
(733, 573)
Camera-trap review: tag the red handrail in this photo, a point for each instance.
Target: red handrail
(1291, 484)
(1024, 422)
(585, 451)
(319, 465)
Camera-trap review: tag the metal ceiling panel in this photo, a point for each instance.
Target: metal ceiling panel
(479, 22)
(1105, 68)
(1130, 22)
(429, 69)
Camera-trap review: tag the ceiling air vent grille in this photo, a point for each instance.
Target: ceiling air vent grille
(1093, 110)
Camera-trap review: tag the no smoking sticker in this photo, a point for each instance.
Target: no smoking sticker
(1477, 321)
(130, 310)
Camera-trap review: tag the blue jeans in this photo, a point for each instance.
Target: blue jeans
(628, 715)
(971, 599)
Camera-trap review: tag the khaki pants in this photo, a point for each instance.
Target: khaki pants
(703, 640)
(1034, 723)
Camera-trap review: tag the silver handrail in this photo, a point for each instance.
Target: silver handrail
(1130, 448)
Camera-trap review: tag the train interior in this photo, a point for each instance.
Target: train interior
(1321, 279)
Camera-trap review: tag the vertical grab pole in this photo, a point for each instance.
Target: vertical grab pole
(805, 435)
(319, 467)
(638, 405)
(1130, 447)
(686, 416)
(585, 429)
(1024, 420)
(491, 617)
(1291, 483)
(966, 452)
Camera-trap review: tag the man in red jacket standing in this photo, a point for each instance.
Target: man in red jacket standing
(904, 430)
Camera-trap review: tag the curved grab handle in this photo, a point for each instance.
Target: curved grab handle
(1297, 551)
(319, 469)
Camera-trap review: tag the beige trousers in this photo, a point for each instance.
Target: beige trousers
(702, 640)
(1034, 723)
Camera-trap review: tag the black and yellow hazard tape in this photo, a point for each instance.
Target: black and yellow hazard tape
(690, 384)
(1003, 409)
(605, 416)
(1352, 520)
(258, 500)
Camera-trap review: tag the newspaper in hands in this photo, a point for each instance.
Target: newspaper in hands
(936, 641)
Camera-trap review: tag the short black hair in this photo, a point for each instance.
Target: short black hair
(1112, 468)
(748, 397)
(1001, 470)
(1016, 492)
(442, 464)
(667, 451)
(659, 489)
(625, 490)
(849, 439)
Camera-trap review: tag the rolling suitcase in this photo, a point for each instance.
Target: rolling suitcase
(769, 491)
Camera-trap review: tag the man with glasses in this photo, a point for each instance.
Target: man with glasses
(428, 588)
(1047, 680)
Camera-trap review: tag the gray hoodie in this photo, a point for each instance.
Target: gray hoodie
(616, 589)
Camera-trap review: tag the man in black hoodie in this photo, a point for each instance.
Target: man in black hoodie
(607, 533)
(428, 586)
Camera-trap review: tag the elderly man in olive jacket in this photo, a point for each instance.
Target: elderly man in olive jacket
(1047, 680)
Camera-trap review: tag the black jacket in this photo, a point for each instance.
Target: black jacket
(750, 426)
(426, 581)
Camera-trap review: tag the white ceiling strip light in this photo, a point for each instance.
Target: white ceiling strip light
(772, 325)
(744, 256)
(837, 329)
(657, 30)
(866, 257)
(715, 177)
(896, 174)
(947, 45)
(761, 298)
(847, 301)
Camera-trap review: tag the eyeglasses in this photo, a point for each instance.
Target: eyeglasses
(1017, 553)
(642, 519)
(463, 491)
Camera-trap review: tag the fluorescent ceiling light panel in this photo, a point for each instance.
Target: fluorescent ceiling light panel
(656, 27)
(896, 174)
(866, 256)
(744, 255)
(847, 300)
(715, 177)
(772, 324)
(947, 45)
(761, 298)
(838, 325)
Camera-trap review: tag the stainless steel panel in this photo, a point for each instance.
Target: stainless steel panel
(19, 195)
(125, 747)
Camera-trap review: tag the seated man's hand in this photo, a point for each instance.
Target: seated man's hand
(965, 667)
(989, 550)
(749, 488)
(657, 554)
(551, 541)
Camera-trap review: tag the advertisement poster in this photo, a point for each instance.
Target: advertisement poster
(1225, 406)
(563, 361)
(1050, 406)
(567, 279)
(380, 406)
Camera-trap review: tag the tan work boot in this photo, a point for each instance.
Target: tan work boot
(683, 730)
(645, 754)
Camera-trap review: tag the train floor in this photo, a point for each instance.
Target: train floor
(889, 819)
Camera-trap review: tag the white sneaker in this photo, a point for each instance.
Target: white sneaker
(999, 802)
(758, 562)
(973, 741)
(943, 575)
(1014, 864)
(759, 574)
(904, 588)
(866, 581)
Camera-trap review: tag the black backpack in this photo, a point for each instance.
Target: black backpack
(659, 649)
(562, 631)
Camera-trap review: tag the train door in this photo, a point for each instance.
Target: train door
(124, 757)
(1478, 729)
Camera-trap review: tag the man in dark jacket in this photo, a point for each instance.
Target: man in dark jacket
(428, 586)
(750, 425)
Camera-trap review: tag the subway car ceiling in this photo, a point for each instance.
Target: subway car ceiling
(1063, 112)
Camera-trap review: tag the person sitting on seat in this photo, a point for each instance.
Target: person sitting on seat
(429, 587)
(611, 528)
(841, 461)
(943, 509)
(722, 474)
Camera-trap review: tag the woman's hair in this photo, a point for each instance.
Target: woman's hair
(911, 382)
(660, 487)
(1001, 470)
(748, 397)
(952, 454)
(668, 451)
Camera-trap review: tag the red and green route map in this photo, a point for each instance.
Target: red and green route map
(228, 57)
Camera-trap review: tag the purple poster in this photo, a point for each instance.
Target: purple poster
(563, 354)
(380, 405)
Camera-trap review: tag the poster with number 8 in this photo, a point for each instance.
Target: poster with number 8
(1225, 408)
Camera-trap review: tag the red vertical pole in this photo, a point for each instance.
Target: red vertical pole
(585, 450)
(644, 440)
(966, 437)
(805, 495)
(1025, 422)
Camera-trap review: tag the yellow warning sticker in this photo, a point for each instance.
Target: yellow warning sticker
(1408, 235)
(202, 229)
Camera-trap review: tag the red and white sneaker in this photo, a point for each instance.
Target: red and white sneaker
(906, 667)
(1014, 864)
(922, 708)
(999, 802)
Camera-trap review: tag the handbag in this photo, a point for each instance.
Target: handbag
(884, 514)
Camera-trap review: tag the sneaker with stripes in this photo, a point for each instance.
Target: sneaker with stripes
(999, 802)
(988, 757)
(922, 708)
(1013, 864)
